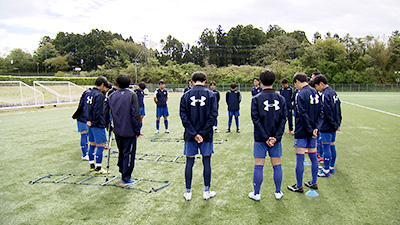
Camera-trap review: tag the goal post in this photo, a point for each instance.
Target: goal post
(59, 91)
(19, 94)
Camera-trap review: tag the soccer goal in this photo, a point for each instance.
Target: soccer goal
(59, 91)
(15, 94)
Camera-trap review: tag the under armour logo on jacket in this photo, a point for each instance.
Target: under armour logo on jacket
(275, 105)
(335, 98)
(201, 100)
(314, 100)
(89, 100)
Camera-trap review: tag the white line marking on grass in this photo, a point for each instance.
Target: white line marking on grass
(373, 109)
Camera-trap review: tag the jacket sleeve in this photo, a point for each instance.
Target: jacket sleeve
(79, 110)
(255, 116)
(282, 120)
(329, 112)
(135, 114)
(303, 114)
(107, 112)
(183, 112)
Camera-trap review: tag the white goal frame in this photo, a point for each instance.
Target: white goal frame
(36, 94)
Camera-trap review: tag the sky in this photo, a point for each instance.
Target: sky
(24, 22)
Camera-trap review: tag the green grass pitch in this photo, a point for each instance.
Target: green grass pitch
(364, 190)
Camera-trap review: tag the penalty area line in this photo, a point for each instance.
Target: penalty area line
(373, 109)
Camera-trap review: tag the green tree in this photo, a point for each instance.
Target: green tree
(59, 63)
(19, 61)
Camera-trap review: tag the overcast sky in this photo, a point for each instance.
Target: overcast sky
(24, 22)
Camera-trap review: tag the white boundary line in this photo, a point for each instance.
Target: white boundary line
(373, 109)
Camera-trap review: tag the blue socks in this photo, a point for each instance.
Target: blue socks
(99, 155)
(314, 167)
(91, 152)
(333, 156)
(299, 169)
(157, 124)
(216, 123)
(84, 146)
(189, 173)
(207, 172)
(257, 178)
(229, 122)
(237, 122)
(278, 174)
(327, 155)
(166, 124)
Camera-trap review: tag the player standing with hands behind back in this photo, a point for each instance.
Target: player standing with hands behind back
(161, 98)
(198, 112)
(268, 112)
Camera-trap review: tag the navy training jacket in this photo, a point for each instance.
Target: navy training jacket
(331, 116)
(268, 112)
(140, 96)
(308, 109)
(80, 113)
(255, 90)
(161, 96)
(288, 94)
(233, 99)
(94, 108)
(198, 112)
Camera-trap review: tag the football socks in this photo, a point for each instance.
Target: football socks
(257, 178)
(99, 155)
(299, 169)
(278, 177)
(166, 124)
(237, 122)
(157, 124)
(207, 170)
(333, 156)
(84, 146)
(230, 122)
(327, 155)
(189, 172)
(314, 166)
(91, 152)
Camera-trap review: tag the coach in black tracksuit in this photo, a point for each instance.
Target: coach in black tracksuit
(123, 105)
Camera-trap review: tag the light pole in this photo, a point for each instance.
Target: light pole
(397, 79)
(37, 66)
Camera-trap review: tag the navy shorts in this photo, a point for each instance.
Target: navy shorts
(192, 148)
(81, 126)
(261, 148)
(305, 142)
(97, 135)
(234, 113)
(142, 112)
(162, 112)
(328, 137)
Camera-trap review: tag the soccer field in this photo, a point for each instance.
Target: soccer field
(364, 189)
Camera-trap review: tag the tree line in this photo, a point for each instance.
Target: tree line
(235, 55)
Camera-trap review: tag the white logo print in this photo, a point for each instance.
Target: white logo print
(314, 100)
(335, 99)
(201, 100)
(89, 100)
(275, 105)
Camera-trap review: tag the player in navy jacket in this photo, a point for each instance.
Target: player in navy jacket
(140, 94)
(123, 105)
(288, 93)
(161, 98)
(95, 120)
(256, 88)
(233, 99)
(329, 123)
(198, 112)
(80, 116)
(213, 86)
(268, 112)
(308, 107)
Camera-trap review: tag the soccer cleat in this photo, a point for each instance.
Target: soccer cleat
(228, 131)
(209, 194)
(332, 171)
(85, 158)
(237, 131)
(92, 169)
(278, 195)
(323, 174)
(157, 131)
(127, 183)
(320, 159)
(310, 185)
(167, 131)
(188, 196)
(216, 130)
(101, 171)
(294, 188)
(290, 132)
(141, 134)
(254, 197)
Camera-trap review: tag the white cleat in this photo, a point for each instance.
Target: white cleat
(278, 195)
(254, 197)
(209, 194)
(167, 131)
(157, 131)
(188, 196)
(85, 158)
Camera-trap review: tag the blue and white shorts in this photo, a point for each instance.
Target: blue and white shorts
(162, 112)
(192, 148)
(305, 142)
(234, 113)
(261, 148)
(81, 126)
(97, 135)
(328, 137)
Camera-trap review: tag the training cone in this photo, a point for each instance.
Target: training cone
(250, 124)
(312, 193)
(306, 163)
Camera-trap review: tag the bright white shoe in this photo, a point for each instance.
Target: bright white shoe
(209, 194)
(167, 131)
(278, 195)
(188, 196)
(254, 197)
(157, 131)
(85, 158)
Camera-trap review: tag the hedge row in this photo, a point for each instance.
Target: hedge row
(29, 80)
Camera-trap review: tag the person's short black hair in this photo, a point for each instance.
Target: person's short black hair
(267, 77)
(108, 85)
(123, 81)
(312, 83)
(199, 76)
(256, 78)
(284, 81)
(316, 73)
(233, 85)
(300, 76)
(161, 82)
(213, 83)
(101, 80)
(142, 85)
(320, 78)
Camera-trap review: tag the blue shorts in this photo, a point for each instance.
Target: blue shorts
(81, 126)
(97, 135)
(141, 111)
(261, 148)
(162, 112)
(192, 148)
(305, 142)
(234, 113)
(328, 137)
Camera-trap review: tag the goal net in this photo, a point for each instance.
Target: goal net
(19, 94)
(58, 91)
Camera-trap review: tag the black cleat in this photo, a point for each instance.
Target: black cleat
(294, 188)
(237, 131)
(228, 131)
(312, 186)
